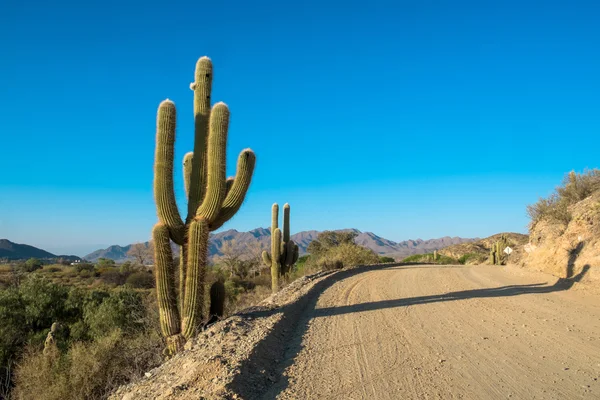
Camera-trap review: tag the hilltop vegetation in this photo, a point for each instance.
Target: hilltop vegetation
(565, 228)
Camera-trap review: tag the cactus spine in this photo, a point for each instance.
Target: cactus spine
(284, 252)
(212, 200)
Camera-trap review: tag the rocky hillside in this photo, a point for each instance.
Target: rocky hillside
(566, 250)
(262, 237)
(16, 251)
(478, 251)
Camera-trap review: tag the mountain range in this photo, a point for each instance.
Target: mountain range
(17, 251)
(261, 237)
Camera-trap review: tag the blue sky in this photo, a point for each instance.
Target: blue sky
(406, 118)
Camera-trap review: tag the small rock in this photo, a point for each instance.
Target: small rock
(148, 374)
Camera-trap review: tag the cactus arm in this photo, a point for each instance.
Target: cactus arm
(164, 194)
(239, 187)
(275, 257)
(266, 257)
(201, 86)
(165, 287)
(228, 185)
(217, 146)
(286, 222)
(187, 173)
(274, 217)
(194, 284)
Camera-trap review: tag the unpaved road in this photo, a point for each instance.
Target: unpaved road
(431, 332)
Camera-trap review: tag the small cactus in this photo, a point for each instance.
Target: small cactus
(284, 252)
(435, 256)
(212, 201)
(497, 255)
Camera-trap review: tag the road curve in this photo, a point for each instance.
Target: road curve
(445, 332)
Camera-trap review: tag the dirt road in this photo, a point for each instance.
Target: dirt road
(431, 332)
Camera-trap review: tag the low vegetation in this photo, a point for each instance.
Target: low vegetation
(430, 258)
(335, 250)
(101, 331)
(574, 188)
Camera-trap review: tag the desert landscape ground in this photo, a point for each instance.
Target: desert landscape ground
(399, 332)
(417, 215)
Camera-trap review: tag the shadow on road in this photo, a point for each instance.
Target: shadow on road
(503, 291)
(262, 374)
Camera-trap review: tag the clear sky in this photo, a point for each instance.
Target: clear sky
(406, 118)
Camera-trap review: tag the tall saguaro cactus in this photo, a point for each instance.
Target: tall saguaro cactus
(212, 201)
(284, 252)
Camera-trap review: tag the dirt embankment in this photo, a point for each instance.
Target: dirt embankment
(397, 332)
(565, 251)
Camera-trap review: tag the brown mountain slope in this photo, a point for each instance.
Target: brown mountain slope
(262, 236)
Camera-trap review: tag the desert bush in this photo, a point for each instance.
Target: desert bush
(383, 259)
(52, 268)
(105, 263)
(86, 274)
(28, 311)
(140, 280)
(335, 250)
(122, 309)
(111, 275)
(574, 188)
(83, 267)
(31, 265)
(428, 258)
(88, 370)
(472, 258)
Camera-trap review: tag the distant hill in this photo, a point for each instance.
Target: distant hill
(262, 236)
(15, 251)
(481, 248)
(115, 252)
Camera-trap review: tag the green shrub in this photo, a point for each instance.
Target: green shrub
(384, 259)
(31, 265)
(122, 309)
(428, 258)
(105, 263)
(86, 274)
(574, 188)
(111, 275)
(79, 267)
(336, 254)
(52, 268)
(140, 280)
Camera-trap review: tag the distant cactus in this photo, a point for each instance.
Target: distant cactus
(435, 256)
(284, 252)
(497, 255)
(212, 200)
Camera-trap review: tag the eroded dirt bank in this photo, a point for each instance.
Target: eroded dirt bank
(399, 332)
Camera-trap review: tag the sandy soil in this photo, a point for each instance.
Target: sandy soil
(398, 332)
(429, 332)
